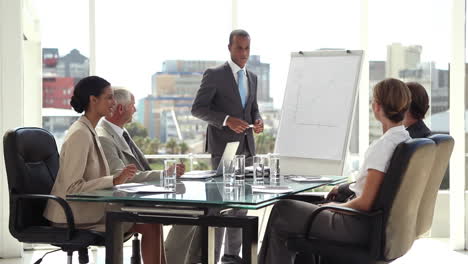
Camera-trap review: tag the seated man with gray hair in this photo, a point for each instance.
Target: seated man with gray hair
(118, 146)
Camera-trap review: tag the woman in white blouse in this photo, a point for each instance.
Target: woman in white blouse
(391, 99)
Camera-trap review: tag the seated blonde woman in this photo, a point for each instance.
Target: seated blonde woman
(391, 100)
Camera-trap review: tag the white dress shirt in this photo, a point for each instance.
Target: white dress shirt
(235, 68)
(378, 155)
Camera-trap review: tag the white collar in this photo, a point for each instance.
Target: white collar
(235, 68)
(395, 129)
(118, 130)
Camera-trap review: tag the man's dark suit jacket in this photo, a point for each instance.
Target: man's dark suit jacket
(219, 96)
(419, 130)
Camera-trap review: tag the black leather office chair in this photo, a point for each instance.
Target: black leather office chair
(393, 218)
(32, 163)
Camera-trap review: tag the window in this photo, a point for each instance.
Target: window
(64, 26)
(282, 28)
(160, 55)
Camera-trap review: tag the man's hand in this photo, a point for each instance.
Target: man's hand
(127, 173)
(332, 194)
(237, 125)
(258, 126)
(180, 169)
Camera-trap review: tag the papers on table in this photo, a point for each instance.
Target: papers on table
(271, 189)
(311, 179)
(142, 188)
(198, 174)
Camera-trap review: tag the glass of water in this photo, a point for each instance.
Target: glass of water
(258, 169)
(169, 174)
(228, 173)
(274, 167)
(239, 167)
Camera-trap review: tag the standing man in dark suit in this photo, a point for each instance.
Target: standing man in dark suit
(227, 100)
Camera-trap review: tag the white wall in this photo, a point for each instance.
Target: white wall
(20, 71)
(441, 221)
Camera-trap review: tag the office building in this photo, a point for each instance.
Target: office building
(57, 92)
(60, 74)
(401, 57)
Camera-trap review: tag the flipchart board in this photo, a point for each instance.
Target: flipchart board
(317, 111)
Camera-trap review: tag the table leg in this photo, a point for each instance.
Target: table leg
(211, 245)
(204, 245)
(208, 244)
(250, 241)
(114, 241)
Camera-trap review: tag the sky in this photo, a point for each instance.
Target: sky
(133, 38)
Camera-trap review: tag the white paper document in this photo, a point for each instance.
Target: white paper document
(198, 174)
(271, 189)
(311, 179)
(143, 189)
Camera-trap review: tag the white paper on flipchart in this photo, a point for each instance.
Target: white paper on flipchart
(316, 106)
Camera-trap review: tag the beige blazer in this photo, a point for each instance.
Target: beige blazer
(119, 155)
(83, 167)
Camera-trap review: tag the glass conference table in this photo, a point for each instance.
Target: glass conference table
(190, 204)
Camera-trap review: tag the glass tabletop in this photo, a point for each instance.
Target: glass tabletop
(208, 192)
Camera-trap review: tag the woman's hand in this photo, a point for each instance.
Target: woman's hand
(127, 173)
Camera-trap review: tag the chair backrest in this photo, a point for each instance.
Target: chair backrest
(444, 147)
(400, 195)
(32, 163)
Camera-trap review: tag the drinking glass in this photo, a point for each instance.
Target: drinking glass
(228, 173)
(258, 169)
(239, 168)
(169, 173)
(274, 167)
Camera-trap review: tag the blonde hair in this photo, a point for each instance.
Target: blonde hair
(394, 97)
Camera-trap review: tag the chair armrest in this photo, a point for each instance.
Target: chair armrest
(309, 198)
(339, 209)
(66, 208)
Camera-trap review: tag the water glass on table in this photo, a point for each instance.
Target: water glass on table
(236, 193)
(239, 167)
(228, 173)
(169, 173)
(274, 167)
(258, 169)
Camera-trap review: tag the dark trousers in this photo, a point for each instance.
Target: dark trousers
(290, 217)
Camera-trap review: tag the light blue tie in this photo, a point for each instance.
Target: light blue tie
(240, 84)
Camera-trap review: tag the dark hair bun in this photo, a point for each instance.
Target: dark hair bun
(86, 87)
(76, 104)
(419, 100)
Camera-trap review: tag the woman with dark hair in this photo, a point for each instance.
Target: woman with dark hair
(289, 217)
(83, 167)
(414, 117)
